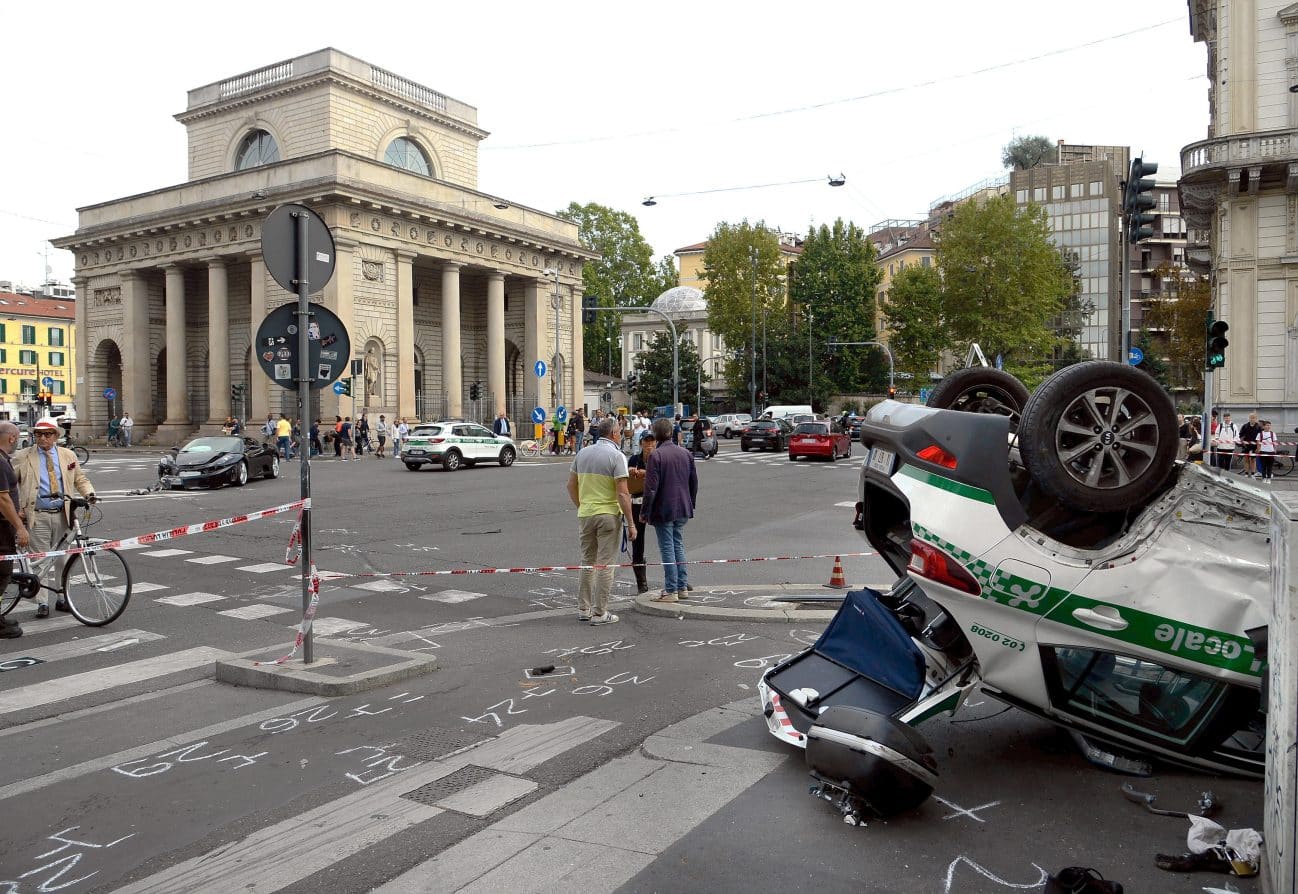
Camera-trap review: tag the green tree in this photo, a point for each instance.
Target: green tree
(1154, 362)
(653, 372)
(668, 277)
(834, 280)
(1182, 319)
(1022, 153)
(739, 291)
(1004, 282)
(916, 321)
(623, 275)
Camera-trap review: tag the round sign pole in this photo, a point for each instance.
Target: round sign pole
(304, 377)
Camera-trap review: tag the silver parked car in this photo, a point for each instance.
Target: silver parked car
(730, 425)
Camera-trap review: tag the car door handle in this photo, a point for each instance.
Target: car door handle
(1105, 618)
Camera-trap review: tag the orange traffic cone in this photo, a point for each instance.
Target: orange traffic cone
(837, 579)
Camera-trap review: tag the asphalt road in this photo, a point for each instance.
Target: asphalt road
(127, 767)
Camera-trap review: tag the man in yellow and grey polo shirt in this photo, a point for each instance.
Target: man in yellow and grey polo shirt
(597, 486)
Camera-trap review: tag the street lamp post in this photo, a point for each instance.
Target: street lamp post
(810, 368)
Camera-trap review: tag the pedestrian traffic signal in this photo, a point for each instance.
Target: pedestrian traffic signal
(1136, 203)
(347, 386)
(475, 391)
(1217, 342)
(588, 305)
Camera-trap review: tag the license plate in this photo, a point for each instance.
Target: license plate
(415, 452)
(189, 474)
(881, 460)
(807, 441)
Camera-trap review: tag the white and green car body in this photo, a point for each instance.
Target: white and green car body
(455, 445)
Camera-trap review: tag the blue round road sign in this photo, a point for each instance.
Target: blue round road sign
(47, 382)
(561, 413)
(1135, 356)
(339, 387)
(540, 369)
(110, 393)
(538, 415)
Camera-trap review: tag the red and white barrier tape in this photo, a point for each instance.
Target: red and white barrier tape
(308, 617)
(160, 536)
(294, 550)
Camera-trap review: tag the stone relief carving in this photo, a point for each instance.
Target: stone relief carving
(372, 270)
(108, 297)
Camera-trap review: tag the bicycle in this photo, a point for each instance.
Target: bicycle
(531, 449)
(83, 455)
(1282, 464)
(84, 584)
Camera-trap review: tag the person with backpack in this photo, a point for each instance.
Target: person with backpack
(1225, 440)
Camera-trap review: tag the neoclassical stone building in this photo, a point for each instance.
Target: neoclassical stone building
(440, 285)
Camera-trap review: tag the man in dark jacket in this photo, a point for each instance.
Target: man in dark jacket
(670, 489)
(697, 431)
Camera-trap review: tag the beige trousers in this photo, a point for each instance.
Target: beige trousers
(47, 531)
(600, 537)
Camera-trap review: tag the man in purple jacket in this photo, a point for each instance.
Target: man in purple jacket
(670, 488)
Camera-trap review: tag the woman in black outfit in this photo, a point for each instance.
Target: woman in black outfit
(635, 484)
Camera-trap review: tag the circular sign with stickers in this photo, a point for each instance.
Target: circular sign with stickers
(329, 347)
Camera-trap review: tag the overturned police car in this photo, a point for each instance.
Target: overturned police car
(1053, 553)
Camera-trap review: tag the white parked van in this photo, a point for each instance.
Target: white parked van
(783, 412)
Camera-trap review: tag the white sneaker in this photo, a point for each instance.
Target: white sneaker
(606, 618)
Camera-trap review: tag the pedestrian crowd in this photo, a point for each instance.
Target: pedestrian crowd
(1254, 442)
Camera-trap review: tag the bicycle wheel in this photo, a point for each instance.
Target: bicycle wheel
(83, 455)
(97, 586)
(1282, 465)
(9, 598)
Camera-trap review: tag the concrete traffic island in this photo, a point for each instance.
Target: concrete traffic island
(749, 602)
(338, 668)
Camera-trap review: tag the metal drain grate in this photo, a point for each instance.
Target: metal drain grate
(453, 784)
(431, 744)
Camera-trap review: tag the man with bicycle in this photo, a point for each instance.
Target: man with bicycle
(46, 474)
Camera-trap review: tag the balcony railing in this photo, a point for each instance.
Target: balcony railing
(1241, 150)
(256, 80)
(408, 88)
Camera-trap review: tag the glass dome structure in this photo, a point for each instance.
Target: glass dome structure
(681, 300)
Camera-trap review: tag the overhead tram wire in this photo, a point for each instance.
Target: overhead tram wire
(811, 107)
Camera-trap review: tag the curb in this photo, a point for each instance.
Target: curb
(293, 676)
(771, 611)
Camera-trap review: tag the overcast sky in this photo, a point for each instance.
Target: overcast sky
(612, 102)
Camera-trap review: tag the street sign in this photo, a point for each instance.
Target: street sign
(340, 388)
(329, 347)
(47, 382)
(538, 415)
(540, 369)
(923, 395)
(1135, 356)
(110, 393)
(279, 248)
(561, 414)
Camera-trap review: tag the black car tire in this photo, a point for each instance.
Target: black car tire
(240, 474)
(1075, 449)
(452, 460)
(981, 389)
(507, 456)
(793, 458)
(833, 455)
(414, 467)
(727, 434)
(743, 448)
(273, 471)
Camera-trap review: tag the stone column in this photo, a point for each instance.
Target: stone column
(259, 387)
(451, 383)
(137, 355)
(77, 340)
(533, 350)
(218, 342)
(338, 298)
(177, 421)
(576, 384)
(496, 340)
(405, 347)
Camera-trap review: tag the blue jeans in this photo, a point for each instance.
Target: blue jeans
(671, 547)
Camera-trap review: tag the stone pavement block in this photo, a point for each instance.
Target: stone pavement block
(579, 796)
(460, 865)
(488, 796)
(695, 752)
(559, 864)
(339, 668)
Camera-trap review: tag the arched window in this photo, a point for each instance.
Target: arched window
(405, 153)
(257, 148)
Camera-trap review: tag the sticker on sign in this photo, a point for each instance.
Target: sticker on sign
(322, 257)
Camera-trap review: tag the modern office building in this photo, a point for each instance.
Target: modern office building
(439, 285)
(1164, 252)
(1239, 196)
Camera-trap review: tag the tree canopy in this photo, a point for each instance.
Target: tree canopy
(916, 320)
(624, 274)
(653, 372)
(1004, 281)
(1183, 319)
(1022, 153)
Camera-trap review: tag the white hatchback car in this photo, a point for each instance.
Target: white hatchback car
(455, 445)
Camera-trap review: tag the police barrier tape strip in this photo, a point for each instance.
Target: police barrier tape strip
(161, 536)
(308, 618)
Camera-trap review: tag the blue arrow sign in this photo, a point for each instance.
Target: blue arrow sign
(47, 382)
(110, 393)
(561, 413)
(538, 415)
(1135, 356)
(339, 387)
(540, 369)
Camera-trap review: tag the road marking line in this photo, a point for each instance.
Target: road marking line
(212, 560)
(188, 599)
(64, 688)
(331, 626)
(265, 567)
(450, 597)
(24, 786)
(252, 612)
(80, 647)
(380, 586)
(140, 587)
(167, 553)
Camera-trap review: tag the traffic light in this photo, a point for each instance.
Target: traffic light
(475, 391)
(1217, 342)
(892, 392)
(347, 386)
(588, 305)
(1136, 201)
(236, 393)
